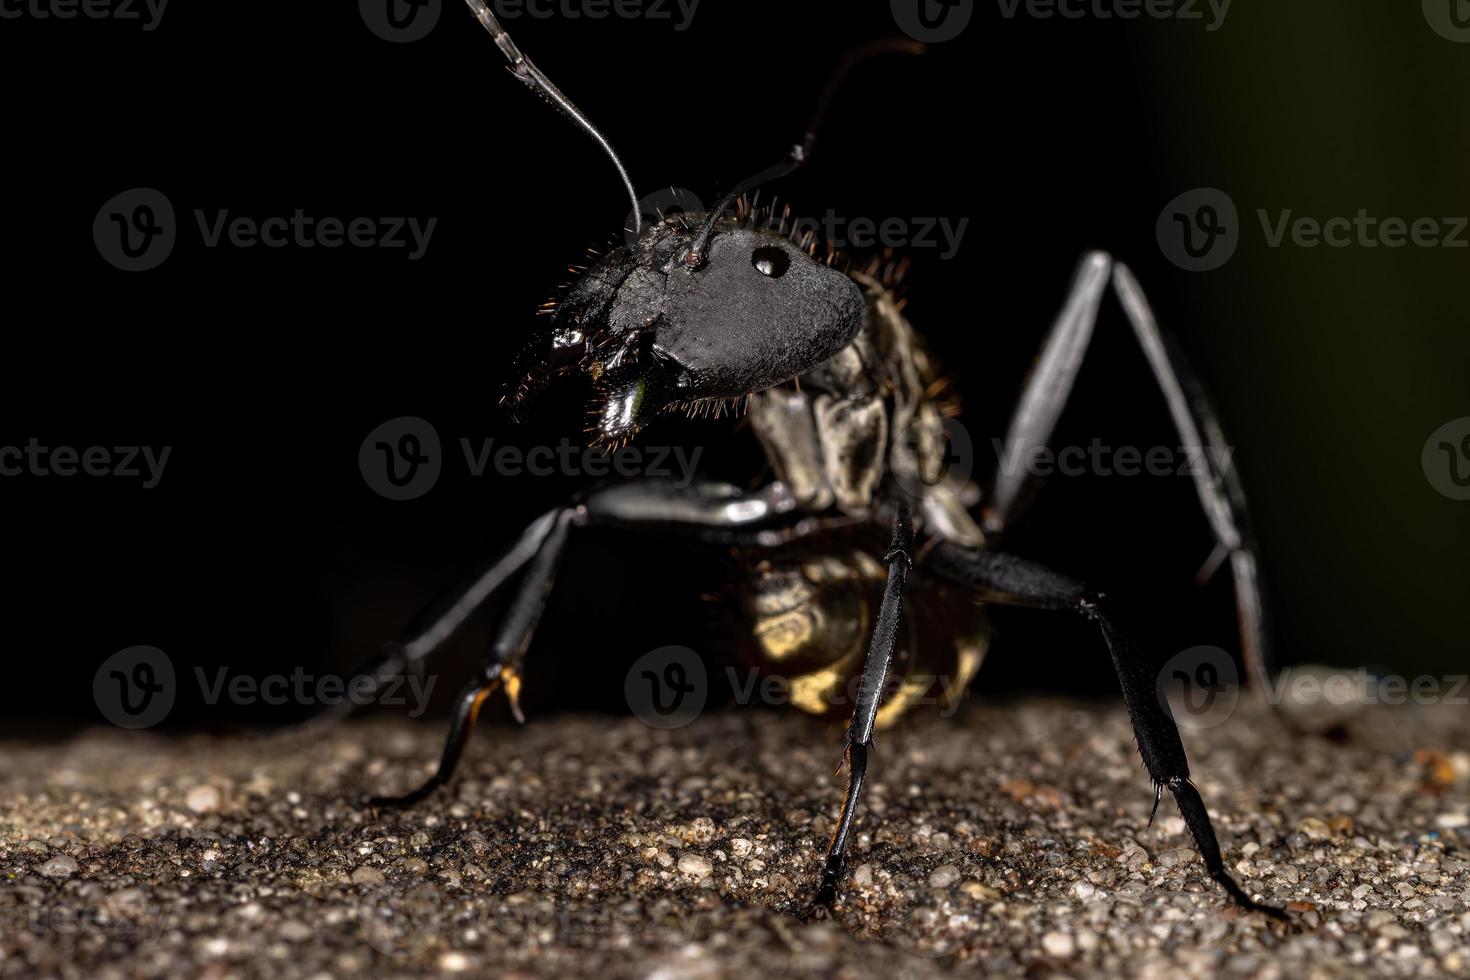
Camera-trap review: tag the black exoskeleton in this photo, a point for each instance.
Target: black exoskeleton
(728, 308)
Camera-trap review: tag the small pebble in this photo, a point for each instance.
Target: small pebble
(59, 867)
(695, 866)
(366, 875)
(1059, 944)
(202, 799)
(1315, 828)
(944, 876)
(454, 962)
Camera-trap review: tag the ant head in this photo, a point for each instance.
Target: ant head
(686, 317)
(653, 330)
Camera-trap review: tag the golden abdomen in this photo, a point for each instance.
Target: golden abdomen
(812, 614)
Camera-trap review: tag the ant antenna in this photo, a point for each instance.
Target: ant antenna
(534, 78)
(800, 152)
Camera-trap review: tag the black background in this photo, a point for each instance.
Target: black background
(263, 549)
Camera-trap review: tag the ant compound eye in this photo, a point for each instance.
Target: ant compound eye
(771, 261)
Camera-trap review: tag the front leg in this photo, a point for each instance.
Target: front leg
(703, 511)
(870, 697)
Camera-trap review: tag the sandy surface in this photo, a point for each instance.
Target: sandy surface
(1010, 839)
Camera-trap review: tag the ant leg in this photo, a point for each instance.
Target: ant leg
(699, 510)
(1003, 579)
(1215, 480)
(502, 666)
(433, 627)
(870, 696)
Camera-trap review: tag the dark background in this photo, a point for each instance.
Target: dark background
(263, 369)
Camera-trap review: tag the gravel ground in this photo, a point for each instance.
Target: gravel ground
(1012, 839)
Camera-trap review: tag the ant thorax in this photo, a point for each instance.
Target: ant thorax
(874, 412)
